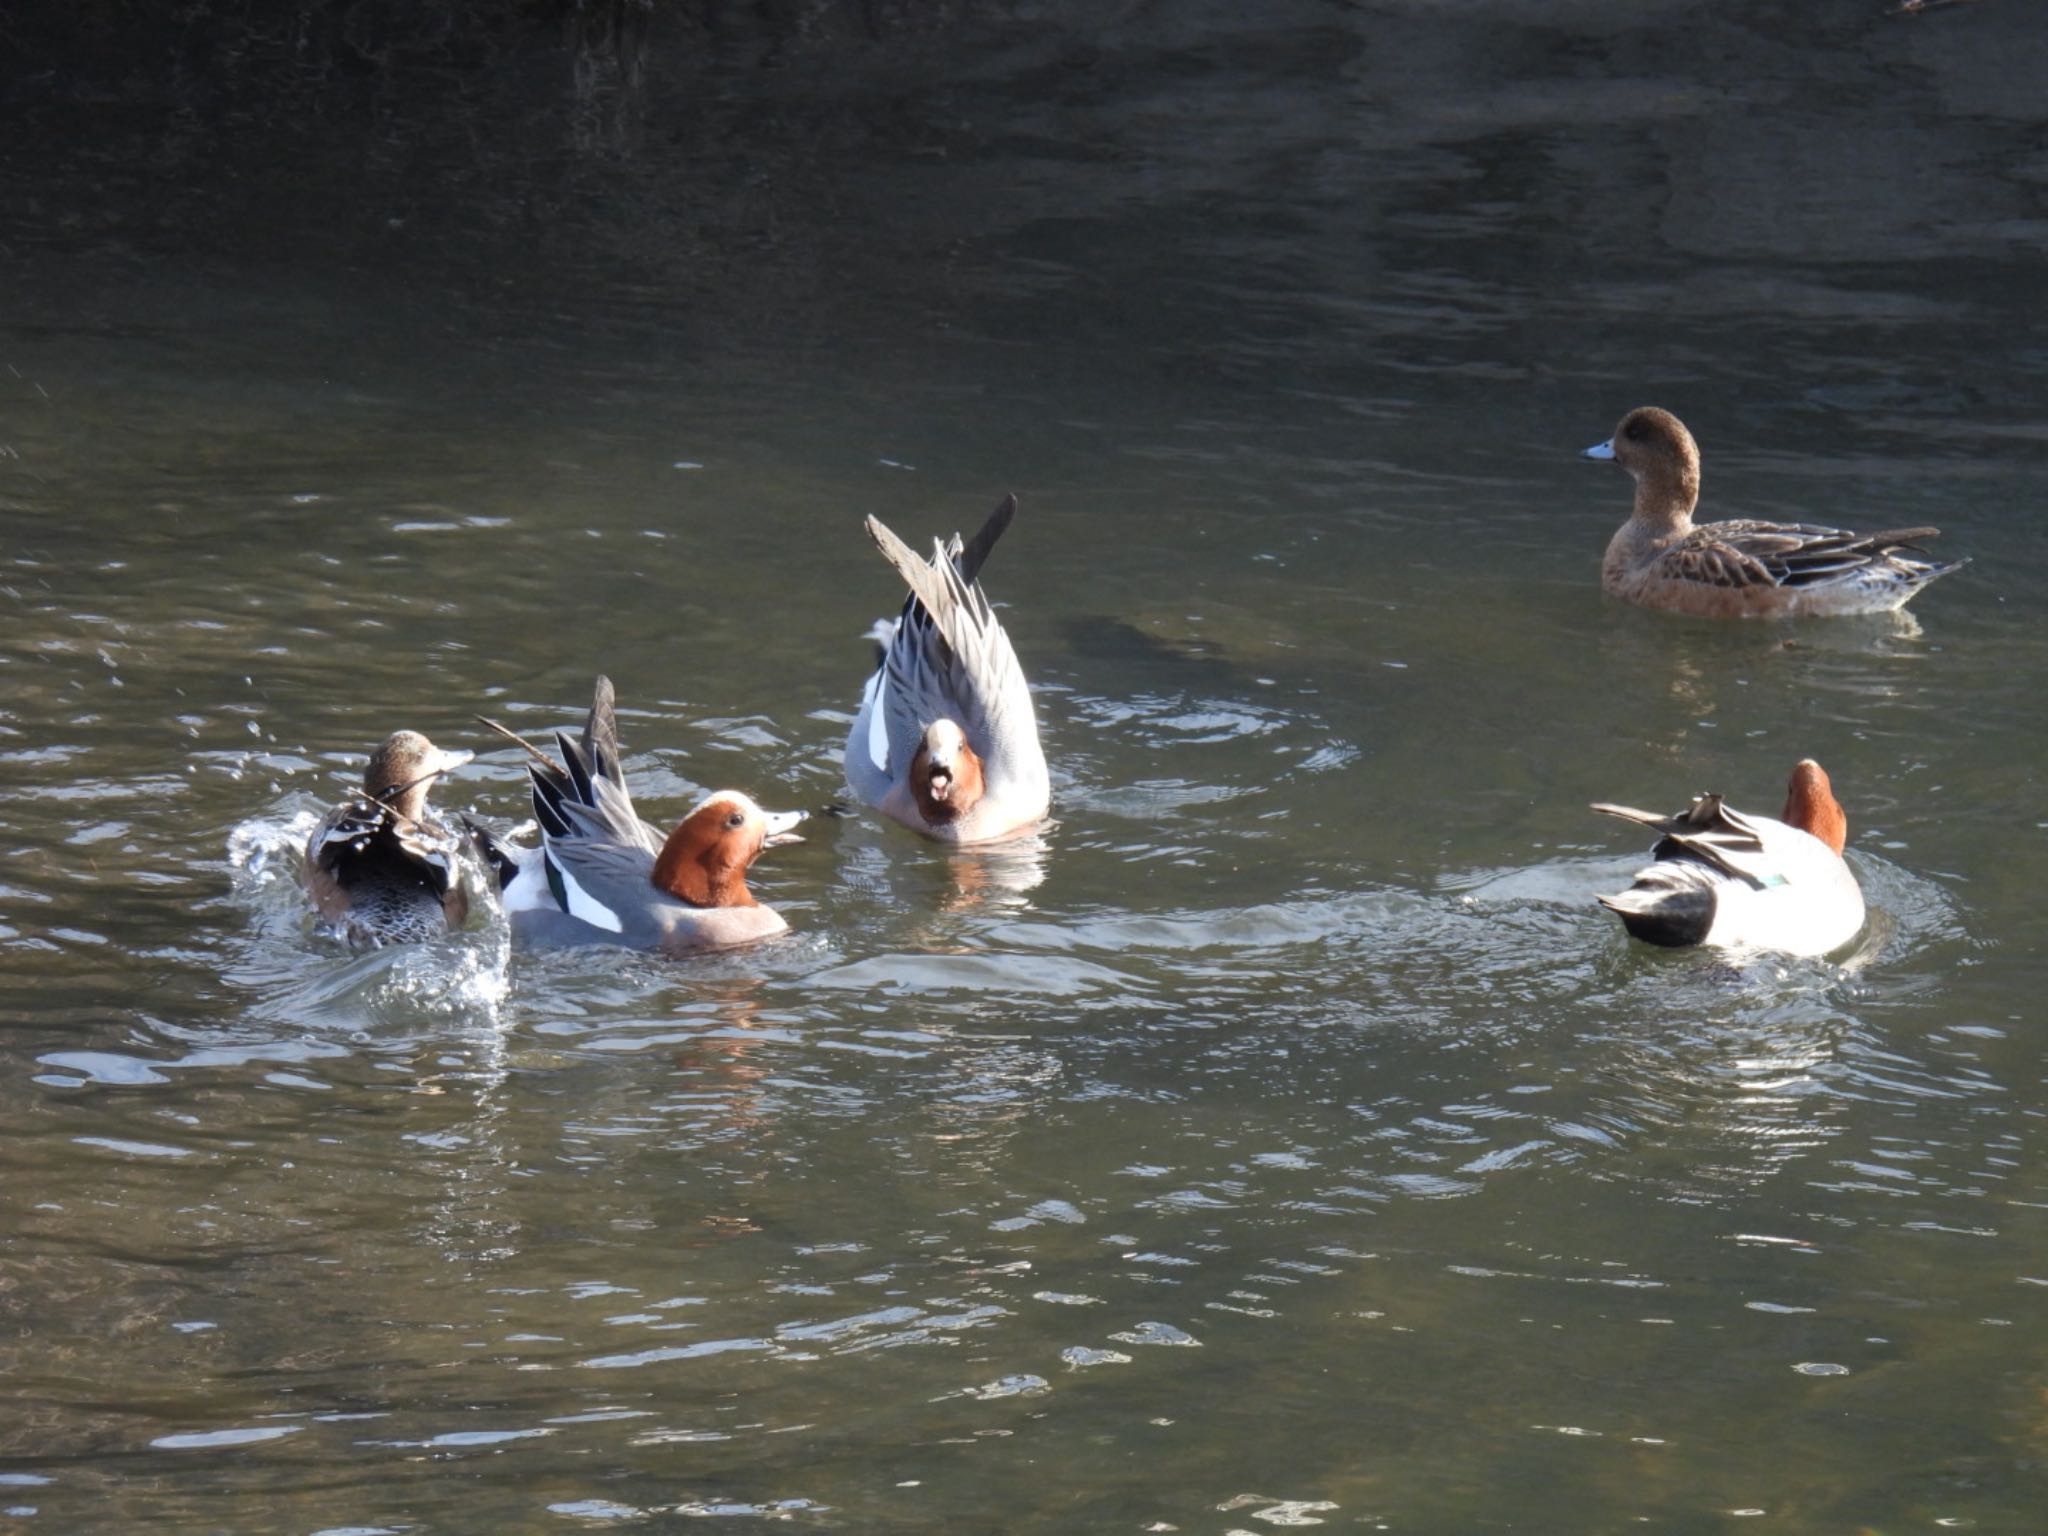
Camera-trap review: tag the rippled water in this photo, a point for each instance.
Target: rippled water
(1284, 1137)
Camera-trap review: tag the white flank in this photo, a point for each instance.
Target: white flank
(878, 725)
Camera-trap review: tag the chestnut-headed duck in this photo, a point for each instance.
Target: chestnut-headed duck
(946, 741)
(380, 869)
(601, 875)
(1739, 881)
(1661, 559)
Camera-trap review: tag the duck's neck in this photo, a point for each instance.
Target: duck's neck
(1811, 806)
(1665, 497)
(701, 875)
(409, 801)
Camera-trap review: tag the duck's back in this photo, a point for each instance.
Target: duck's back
(1764, 886)
(378, 886)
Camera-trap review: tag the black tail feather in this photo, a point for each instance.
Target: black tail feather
(976, 551)
(492, 850)
(550, 790)
(1671, 903)
(578, 764)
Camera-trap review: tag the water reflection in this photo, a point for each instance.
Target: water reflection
(998, 874)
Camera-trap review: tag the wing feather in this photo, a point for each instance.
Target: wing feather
(1745, 555)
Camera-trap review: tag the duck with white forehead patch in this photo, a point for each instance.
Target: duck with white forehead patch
(1744, 569)
(946, 741)
(1739, 881)
(601, 875)
(379, 867)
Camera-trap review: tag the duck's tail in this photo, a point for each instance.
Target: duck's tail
(970, 557)
(1671, 903)
(499, 856)
(1905, 548)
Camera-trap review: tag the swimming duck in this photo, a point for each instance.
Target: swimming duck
(946, 741)
(378, 867)
(1660, 559)
(601, 875)
(1739, 881)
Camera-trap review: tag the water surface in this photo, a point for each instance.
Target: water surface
(1283, 1138)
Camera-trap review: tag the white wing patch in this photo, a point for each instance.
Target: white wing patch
(580, 903)
(878, 724)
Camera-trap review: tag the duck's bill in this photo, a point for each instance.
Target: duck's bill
(781, 825)
(1600, 450)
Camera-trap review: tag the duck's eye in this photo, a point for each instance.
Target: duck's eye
(737, 819)
(1635, 432)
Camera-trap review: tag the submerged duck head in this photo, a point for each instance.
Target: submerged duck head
(945, 773)
(402, 769)
(1811, 806)
(1660, 456)
(705, 860)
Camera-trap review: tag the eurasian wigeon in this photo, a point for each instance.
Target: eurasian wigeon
(946, 741)
(1660, 559)
(1738, 881)
(601, 875)
(379, 868)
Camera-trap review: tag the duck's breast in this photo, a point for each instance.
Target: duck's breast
(692, 930)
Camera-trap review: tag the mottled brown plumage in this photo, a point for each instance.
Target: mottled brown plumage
(1741, 569)
(379, 867)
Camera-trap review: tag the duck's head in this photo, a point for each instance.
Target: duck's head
(402, 769)
(704, 861)
(1811, 806)
(945, 773)
(1660, 456)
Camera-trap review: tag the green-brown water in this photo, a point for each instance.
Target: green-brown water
(1286, 1138)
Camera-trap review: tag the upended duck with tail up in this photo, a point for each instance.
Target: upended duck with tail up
(946, 740)
(1739, 881)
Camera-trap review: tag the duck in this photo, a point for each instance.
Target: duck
(1727, 879)
(601, 875)
(946, 738)
(380, 869)
(1661, 559)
